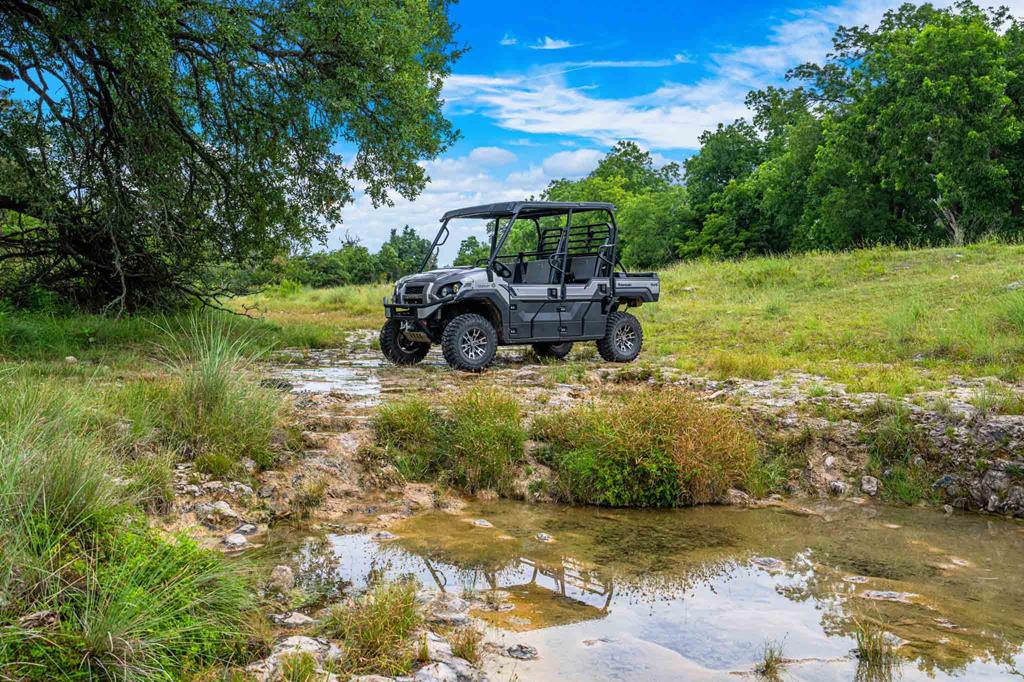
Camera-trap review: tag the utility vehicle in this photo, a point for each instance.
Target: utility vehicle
(565, 289)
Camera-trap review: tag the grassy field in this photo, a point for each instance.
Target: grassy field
(882, 319)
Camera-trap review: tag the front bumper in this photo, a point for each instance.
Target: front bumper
(413, 311)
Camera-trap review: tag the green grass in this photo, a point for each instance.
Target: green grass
(112, 599)
(636, 448)
(472, 440)
(377, 629)
(466, 643)
(881, 319)
(772, 663)
(896, 450)
(877, 660)
(771, 469)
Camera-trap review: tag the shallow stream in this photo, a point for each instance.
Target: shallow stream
(696, 594)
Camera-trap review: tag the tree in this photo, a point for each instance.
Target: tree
(635, 167)
(731, 152)
(158, 139)
(471, 250)
(651, 225)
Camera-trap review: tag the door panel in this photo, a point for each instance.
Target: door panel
(534, 314)
(581, 314)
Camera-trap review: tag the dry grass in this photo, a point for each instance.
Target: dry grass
(466, 643)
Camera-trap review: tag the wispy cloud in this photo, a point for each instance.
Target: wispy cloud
(509, 39)
(549, 43)
(673, 115)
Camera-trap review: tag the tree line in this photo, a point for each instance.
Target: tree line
(909, 133)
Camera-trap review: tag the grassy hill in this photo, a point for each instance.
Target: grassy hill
(880, 319)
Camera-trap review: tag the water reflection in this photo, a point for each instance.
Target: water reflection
(659, 595)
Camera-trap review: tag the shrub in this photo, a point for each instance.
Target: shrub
(376, 629)
(466, 643)
(474, 439)
(658, 448)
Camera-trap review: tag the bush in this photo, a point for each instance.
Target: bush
(474, 440)
(646, 449)
(376, 630)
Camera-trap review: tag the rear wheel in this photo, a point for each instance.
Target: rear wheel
(469, 342)
(399, 349)
(559, 351)
(622, 338)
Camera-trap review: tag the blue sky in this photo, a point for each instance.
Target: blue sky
(547, 87)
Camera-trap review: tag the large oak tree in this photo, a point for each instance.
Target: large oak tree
(142, 142)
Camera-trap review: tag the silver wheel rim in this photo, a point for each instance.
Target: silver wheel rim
(625, 339)
(473, 343)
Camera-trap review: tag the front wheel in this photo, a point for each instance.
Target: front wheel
(559, 351)
(469, 343)
(399, 349)
(622, 338)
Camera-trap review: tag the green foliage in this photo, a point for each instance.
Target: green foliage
(472, 440)
(877, 660)
(184, 135)
(661, 449)
(472, 250)
(376, 630)
(894, 446)
(89, 591)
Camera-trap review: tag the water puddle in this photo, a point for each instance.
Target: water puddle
(696, 594)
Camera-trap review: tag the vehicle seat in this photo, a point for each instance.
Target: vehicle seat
(581, 269)
(535, 272)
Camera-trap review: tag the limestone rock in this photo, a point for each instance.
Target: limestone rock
(869, 485)
(282, 578)
(523, 652)
(436, 672)
(235, 541)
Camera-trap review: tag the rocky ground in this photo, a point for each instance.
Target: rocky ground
(974, 454)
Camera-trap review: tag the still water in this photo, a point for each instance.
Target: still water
(696, 594)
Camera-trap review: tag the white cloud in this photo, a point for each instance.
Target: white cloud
(572, 164)
(549, 43)
(492, 156)
(681, 58)
(509, 39)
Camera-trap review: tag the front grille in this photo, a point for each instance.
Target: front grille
(415, 288)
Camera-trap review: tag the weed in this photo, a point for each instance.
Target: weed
(473, 439)
(376, 629)
(994, 398)
(773, 661)
(877, 660)
(466, 643)
(311, 494)
(779, 456)
(300, 667)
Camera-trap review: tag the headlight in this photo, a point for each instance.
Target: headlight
(451, 289)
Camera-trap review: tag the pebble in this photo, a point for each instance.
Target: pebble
(235, 541)
(483, 523)
(837, 487)
(295, 619)
(71, 360)
(869, 484)
(247, 529)
(768, 562)
(436, 672)
(889, 595)
(523, 652)
(948, 508)
(282, 578)
(384, 535)
(544, 537)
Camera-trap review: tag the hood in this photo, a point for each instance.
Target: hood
(445, 275)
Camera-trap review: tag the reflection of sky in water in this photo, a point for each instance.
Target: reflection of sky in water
(354, 381)
(686, 595)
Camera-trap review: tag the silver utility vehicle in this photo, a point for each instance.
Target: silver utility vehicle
(566, 289)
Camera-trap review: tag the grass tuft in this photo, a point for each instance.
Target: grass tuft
(376, 630)
(472, 440)
(877, 660)
(772, 663)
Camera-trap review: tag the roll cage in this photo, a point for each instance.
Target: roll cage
(557, 243)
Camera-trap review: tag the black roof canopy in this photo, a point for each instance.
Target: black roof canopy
(527, 209)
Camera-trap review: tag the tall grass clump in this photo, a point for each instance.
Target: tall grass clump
(218, 412)
(773, 662)
(473, 440)
(640, 448)
(877, 660)
(88, 591)
(376, 629)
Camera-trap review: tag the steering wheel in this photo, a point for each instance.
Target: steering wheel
(502, 269)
